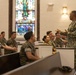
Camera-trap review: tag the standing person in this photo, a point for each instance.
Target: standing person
(28, 51)
(12, 43)
(72, 30)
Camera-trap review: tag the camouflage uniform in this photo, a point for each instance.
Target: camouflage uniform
(3, 41)
(72, 34)
(72, 38)
(26, 47)
(58, 42)
(53, 43)
(0, 48)
(11, 43)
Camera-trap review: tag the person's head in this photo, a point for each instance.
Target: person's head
(3, 34)
(53, 37)
(13, 35)
(46, 38)
(29, 36)
(49, 33)
(57, 35)
(73, 16)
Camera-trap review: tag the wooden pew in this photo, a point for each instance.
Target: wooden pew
(43, 66)
(9, 62)
(38, 67)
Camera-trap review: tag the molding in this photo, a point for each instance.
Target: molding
(10, 16)
(38, 20)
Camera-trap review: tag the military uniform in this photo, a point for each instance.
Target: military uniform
(72, 38)
(3, 41)
(52, 43)
(72, 34)
(11, 43)
(58, 42)
(26, 47)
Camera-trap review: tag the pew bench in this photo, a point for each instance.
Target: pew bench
(43, 66)
(9, 62)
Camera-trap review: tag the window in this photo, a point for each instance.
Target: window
(16, 19)
(25, 16)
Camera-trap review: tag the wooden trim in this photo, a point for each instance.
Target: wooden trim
(38, 19)
(10, 16)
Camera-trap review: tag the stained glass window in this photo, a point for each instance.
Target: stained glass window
(25, 16)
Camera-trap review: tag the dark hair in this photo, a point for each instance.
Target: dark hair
(48, 32)
(2, 32)
(13, 32)
(44, 38)
(74, 12)
(56, 33)
(28, 35)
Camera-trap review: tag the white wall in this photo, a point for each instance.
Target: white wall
(51, 17)
(4, 16)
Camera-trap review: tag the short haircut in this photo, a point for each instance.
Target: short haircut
(48, 32)
(2, 32)
(28, 35)
(44, 37)
(74, 12)
(13, 32)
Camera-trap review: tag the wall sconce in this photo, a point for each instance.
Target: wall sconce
(65, 10)
(50, 4)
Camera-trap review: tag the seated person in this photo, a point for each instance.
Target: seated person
(64, 38)
(3, 45)
(58, 40)
(0, 44)
(50, 34)
(28, 51)
(46, 40)
(53, 41)
(3, 39)
(11, 43)
(52, 37)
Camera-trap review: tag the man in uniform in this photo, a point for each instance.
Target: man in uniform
(28, 51)
(72, 34)
(12, 43)
(72, 30)
(58, 40)
(3, 39)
